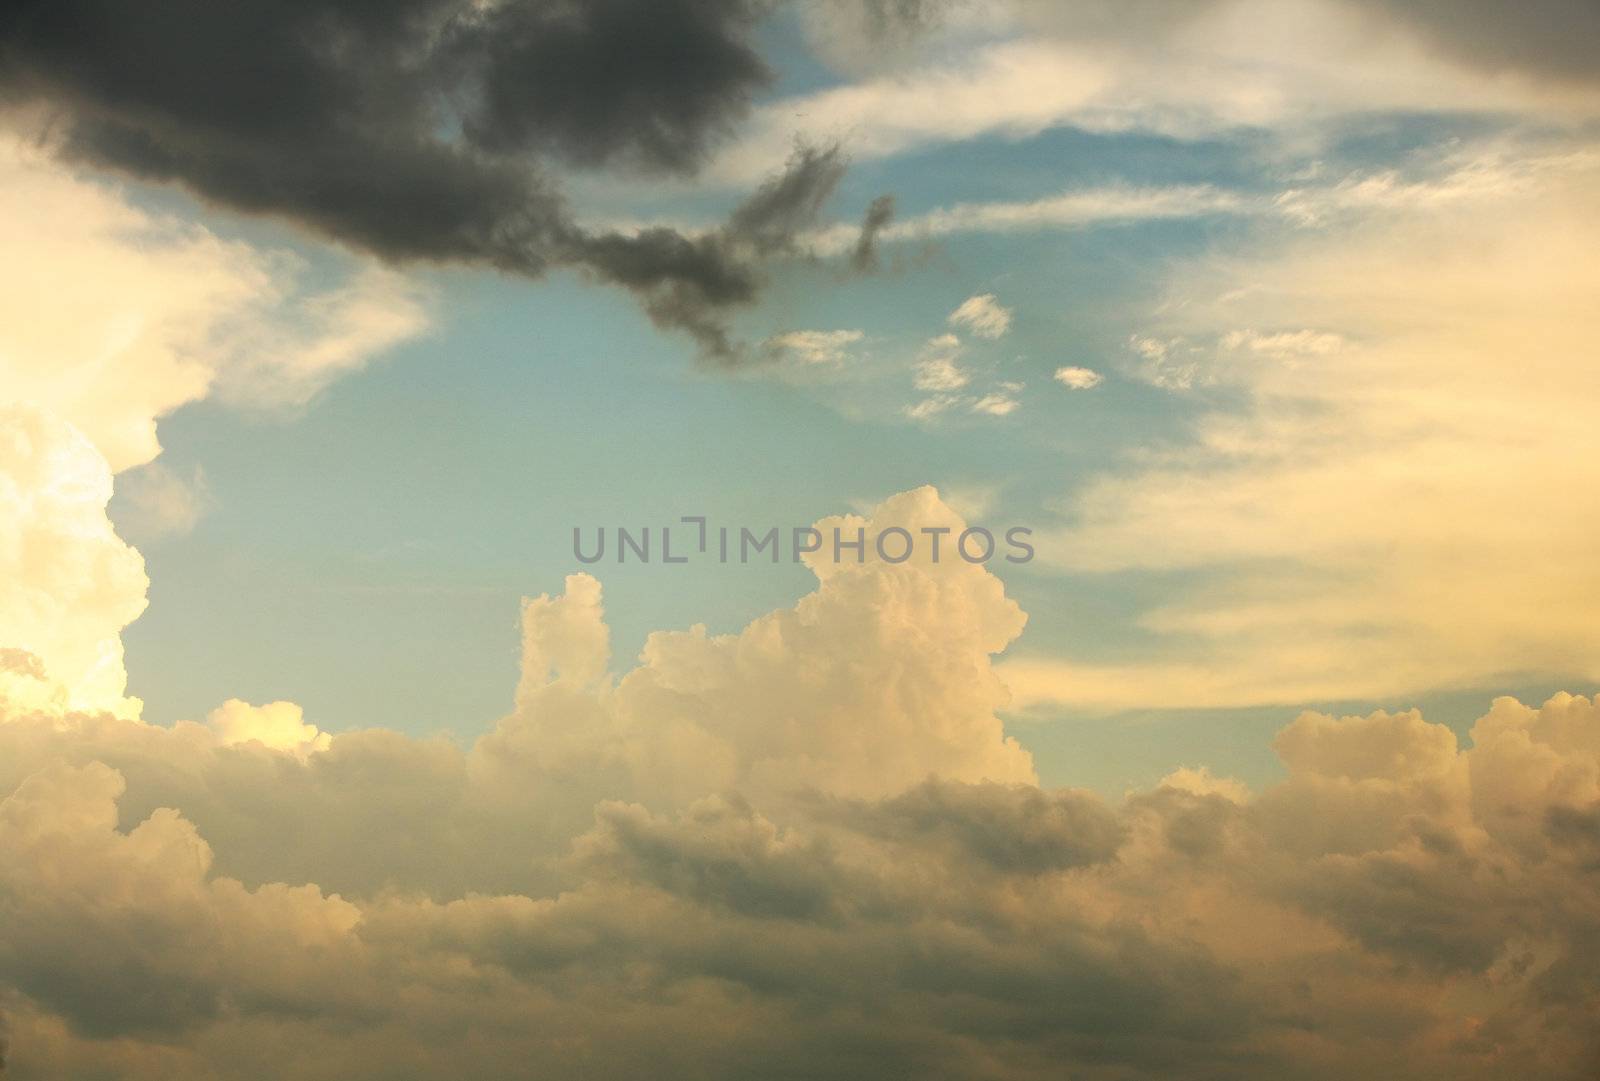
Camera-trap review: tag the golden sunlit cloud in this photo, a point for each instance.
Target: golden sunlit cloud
(1407, 499)
(1347, 452)
(810, 838)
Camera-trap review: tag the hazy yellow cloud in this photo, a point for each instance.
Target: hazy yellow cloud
(68, 583)
(1407, 499)
(111, 317)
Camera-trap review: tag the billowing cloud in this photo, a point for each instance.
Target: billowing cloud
(68, 583)
(112, 317)
(279, 725)
(808, 847)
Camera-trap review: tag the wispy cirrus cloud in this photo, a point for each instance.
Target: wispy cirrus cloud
(1075, 209)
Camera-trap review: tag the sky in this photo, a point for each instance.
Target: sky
(326, 325)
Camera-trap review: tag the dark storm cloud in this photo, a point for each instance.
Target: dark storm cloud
(609, 80)
(415, 129)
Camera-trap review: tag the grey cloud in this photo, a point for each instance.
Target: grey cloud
(880, 212)
(1017, 829)
(1552, 39)
(863, 34)
(719, 852)
(420, 130)
(688, 283)
(1576, 830)
(1192, 825)
(1432, 911)
(609, 80)
(960, 930)
(1546, 40)
(125, 933)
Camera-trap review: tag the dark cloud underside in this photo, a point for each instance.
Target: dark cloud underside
(416, 129)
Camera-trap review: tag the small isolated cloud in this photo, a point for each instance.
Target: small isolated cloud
(932, 407)
(998, 404)
(1169, 363)
(1078, 378)
(940, 376)
(1287, 343)
(940, 373)
(983, 315)
(812, 348)
(937, 368)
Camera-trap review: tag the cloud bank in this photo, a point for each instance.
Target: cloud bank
(807, 848)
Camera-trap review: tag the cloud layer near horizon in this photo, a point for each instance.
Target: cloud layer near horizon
(805, 849)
